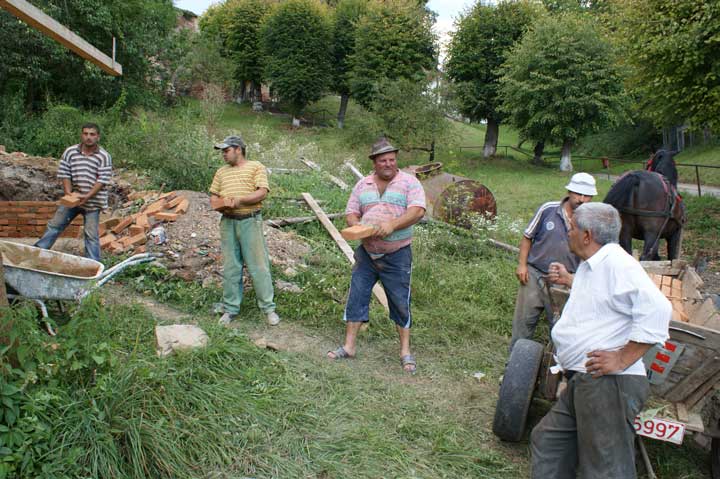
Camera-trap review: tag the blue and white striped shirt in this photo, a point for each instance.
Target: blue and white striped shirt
(84, 171)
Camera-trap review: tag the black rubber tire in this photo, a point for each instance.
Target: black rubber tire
(715, 458)
(517, 389)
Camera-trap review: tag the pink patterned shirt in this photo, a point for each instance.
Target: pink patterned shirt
(403, 191)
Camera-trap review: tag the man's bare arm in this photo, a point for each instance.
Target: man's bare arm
(253, 198)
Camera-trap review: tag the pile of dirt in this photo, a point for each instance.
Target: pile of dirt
(193, 248)
(34, 178)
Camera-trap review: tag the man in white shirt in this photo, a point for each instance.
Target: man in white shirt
(615, 313)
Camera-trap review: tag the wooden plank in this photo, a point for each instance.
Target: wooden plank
(37, 19)
(3, 292)
(692, 382)
(660, 267)
(691, 282)
(378, 291)
(702, 391)
(682, 412)
(703, 314)
(354, 170)
(310, 164)
(337, 181)
(501, 245)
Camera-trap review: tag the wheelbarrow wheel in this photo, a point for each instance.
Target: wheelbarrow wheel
(517, 389)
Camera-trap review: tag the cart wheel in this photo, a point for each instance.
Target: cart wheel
(715, 458)
(517, 390)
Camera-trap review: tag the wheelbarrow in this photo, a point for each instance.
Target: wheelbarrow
(40, 275)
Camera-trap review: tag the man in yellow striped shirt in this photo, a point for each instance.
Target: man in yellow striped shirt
(241, 230)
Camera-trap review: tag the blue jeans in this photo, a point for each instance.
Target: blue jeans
(394, 271)
(63, 217)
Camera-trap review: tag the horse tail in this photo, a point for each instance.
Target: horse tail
(622, 189)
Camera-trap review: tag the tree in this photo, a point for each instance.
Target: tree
(561, 82)
(346, 16)
(394, 40)
(54, 72)
(674, 51)
(295, 39)
(236, 26)
(478, 47)
(409, 113)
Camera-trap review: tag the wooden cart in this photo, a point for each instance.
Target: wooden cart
(683, 373)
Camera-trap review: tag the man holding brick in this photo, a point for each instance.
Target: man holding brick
(237, 191)
(85, 170)
(392, 201)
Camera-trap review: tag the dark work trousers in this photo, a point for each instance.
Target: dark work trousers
(532, 300)
(589, 431)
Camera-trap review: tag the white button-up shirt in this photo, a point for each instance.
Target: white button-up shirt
(612, 301)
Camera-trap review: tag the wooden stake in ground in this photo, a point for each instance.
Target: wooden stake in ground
(378, 291)
(3, 292)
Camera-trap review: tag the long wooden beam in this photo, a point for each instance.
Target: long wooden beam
(36, 18)
(377, 290)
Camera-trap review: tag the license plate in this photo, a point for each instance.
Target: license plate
(660, 429)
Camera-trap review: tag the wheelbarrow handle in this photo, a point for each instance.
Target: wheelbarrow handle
(109, 273)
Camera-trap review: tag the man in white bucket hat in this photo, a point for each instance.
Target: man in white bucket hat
(545, 240)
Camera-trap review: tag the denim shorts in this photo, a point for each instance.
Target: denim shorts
(393, 270)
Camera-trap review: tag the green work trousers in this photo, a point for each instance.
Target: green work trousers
(243, 243)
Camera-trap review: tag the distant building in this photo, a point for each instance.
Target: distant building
(187, 19)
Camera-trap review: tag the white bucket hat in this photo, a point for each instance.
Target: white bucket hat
(582, 184)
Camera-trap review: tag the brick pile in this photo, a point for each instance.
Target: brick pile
(28, 219)
(129, 233)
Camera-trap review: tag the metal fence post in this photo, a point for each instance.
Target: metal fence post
(697, 178)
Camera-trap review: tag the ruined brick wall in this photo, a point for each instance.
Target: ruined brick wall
(28, 219)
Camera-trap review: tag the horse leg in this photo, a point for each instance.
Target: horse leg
(674, 243)
(651, 244)
(626, 238)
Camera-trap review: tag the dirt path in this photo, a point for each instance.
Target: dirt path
(437, 383)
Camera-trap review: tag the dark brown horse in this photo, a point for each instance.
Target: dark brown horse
(662, 162)
(650, 209)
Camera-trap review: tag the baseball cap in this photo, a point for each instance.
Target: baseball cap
(233, 140)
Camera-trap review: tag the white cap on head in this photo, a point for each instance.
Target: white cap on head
(582, 184)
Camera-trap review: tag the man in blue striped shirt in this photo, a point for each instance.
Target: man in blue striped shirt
(86, 169)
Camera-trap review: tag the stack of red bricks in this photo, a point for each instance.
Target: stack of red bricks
(121, 234)
(28, 219)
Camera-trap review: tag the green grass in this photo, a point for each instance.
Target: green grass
(233, 410)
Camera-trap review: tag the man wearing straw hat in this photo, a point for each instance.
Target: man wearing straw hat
(392, 201)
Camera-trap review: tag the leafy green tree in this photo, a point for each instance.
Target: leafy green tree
(347, 13)
(393, 40)
(52, 71)
(410, 114)
(190, 58)
(478, 47)
(295, 39)
(236, 25)
(674, 51)
(561, 82)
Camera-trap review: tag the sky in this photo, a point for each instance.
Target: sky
(447, 11)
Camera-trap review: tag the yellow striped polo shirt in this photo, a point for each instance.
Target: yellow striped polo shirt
(239, 181)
